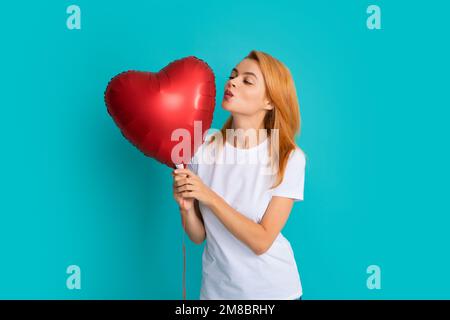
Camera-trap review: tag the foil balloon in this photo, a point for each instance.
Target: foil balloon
(153, 109)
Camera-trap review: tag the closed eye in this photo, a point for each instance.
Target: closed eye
(245, 81)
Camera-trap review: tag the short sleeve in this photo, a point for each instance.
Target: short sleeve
(292, 185)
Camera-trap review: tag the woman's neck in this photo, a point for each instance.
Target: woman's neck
(248, 131)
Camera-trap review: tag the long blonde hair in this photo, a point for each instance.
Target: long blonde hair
(285, 115)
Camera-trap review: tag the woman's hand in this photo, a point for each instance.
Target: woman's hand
(184, 204)
(190, 186)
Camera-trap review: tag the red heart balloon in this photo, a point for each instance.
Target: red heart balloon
(148, 107)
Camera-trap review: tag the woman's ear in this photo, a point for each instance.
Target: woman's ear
(268, 106)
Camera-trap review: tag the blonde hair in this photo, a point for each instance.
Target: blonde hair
(285, 115)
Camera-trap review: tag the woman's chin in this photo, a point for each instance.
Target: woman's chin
(226, 105)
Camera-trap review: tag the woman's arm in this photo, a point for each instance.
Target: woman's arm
(257, 236)
(193, 223)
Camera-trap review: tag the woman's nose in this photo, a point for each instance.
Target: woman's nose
(231, 84)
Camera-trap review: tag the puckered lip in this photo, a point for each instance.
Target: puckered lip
(228, 92)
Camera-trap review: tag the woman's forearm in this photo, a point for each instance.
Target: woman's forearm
(246, 230)
(193, 225)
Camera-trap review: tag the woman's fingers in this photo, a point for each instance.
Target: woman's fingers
(182, 181)
(178, 178)
(188, 195)
(186, 187)
(183, 188)
(184, 173)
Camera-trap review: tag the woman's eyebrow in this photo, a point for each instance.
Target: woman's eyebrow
(249, 73)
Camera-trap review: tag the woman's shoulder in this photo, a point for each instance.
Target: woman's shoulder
(298, 156)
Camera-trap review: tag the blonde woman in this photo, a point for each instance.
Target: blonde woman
(234, 201)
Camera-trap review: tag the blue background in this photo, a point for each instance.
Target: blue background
(374, 106)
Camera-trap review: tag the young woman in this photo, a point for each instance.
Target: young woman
(239, 206)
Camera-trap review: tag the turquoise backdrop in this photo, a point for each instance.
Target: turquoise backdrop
(375, 111)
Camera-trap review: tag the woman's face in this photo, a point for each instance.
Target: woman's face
(248, 89)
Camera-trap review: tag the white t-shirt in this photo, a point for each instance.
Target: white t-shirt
(230, 269)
